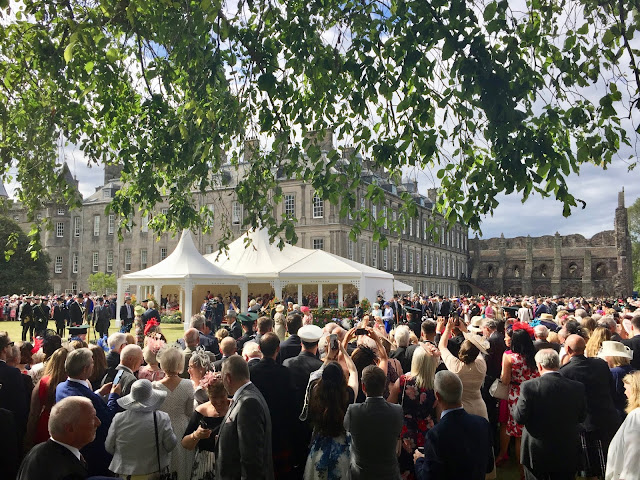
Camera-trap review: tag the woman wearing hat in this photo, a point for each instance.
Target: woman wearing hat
(138, 324)
(618, 356)
(132, 434)
(279, 322)
(469, 365)
(204, 426)
(308, 317)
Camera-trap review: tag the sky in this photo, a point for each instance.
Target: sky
(597, 187)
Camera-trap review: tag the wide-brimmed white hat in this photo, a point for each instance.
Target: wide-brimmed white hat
(476, 324)
(142, 397)
(480, 342)
(280, 308)
(615, 349)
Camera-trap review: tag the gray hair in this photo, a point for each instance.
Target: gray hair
(66, 411)
(449, 386)
(548, 359)
(192, 337)
(197, 321)
(201, 360)
(151, 304)
(236, 367)
(171, 359)
(130, 353)
(541, 331)
(608, 321)
(117, 339)
(581, 312)
(77, 361)
(402, 335)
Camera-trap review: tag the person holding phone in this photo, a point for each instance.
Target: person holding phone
(204, 426)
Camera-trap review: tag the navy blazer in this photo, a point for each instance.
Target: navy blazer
(459, 447)
(51, 461)
(13, 395)
(94, 453)
(289, 348)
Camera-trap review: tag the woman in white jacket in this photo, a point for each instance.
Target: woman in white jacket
(624, 450)
(132, 434)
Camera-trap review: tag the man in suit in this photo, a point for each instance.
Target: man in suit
(357, 312)
(72, 424)
(402, 336)
(493, 359)
(550, 407)
(12, 387)
(131, 360)
(541, 342)
(291, 346)
(248, 322)
(275, 383)
(235, 329)
(243, 449)
(601, 422)
(398, 311)
(151, 313)
(445, 307)
(456, 432)
(301, 368)
(26, 319)
(40, 317)
(210, 344)
(227, 348)
(634, 342)
(88, 307)
(75, 312)
(60, 316)
(79, 366)
(127, 312)
(375, 426)
(101, 318)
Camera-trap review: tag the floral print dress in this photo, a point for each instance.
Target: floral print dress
(520, 372)
(419, 417)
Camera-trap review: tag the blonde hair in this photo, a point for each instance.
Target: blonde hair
(423, 368)
(633, 380)
(599, 335)
(171, 360)
(618, 361)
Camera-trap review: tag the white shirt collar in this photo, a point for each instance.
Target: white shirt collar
(237, 394)
(73, 450)
(81, 382)
(550, 371)
(444, 412)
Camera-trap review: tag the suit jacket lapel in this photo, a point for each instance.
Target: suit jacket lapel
(226, 417)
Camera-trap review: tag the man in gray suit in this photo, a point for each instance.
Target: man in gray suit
(375, 427)
(243, 450)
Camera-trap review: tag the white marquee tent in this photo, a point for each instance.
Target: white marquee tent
(185, 268)
(260, 261)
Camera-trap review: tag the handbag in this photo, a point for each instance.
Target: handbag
(499, 390)
(163, 473)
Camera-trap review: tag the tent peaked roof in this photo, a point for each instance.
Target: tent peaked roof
(184, 262)
(321, 264)
(253, 255)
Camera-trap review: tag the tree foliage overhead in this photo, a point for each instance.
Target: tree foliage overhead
(21, 273)
(492, 97)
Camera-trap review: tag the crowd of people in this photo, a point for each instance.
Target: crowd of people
(420, 387)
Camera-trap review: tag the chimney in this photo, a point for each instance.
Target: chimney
(251, 148)
(324, 143)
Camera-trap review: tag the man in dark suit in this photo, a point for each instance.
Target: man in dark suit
(243, 449)
(72, 425)
(75, 312)
(235, 329)
(456, 432)
(26, 319)
(541, 342)
(445, 307)
(127, 312)
(227, 348)
(601, 422)
(101, 318)
(275, 384)
(550, 407)
(301, 368)
(290, 347)
(357, 312)
(40, 317)
(398, 311)
(248, 322)
(12, 387)
(60, 316)
(375, 427)
(634, 342)
(79, 366)
(151, 313)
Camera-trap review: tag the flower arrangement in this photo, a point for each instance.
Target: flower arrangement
(365, 304)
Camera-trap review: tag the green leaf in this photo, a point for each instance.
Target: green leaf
(490, 11)
(88, 67)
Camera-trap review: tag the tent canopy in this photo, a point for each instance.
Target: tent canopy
(184, 262)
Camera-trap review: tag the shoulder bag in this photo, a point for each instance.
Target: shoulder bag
(163, 473)
(499, 390)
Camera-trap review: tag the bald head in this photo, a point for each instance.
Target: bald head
(192, 338)
(228, 346)
(575, 345)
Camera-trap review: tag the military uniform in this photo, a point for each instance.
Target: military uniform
(41, 318)
(26, 320)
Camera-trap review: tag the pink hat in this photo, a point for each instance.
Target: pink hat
(304, 309)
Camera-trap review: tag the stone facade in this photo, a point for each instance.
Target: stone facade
(556, 265)
(85, 241)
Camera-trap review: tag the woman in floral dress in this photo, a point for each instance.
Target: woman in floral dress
(517, 367)
(417, 398)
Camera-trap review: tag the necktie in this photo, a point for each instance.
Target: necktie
(83, 461)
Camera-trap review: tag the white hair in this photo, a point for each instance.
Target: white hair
(251, 350)
(116, 340)
(548, 359)
(402, 335)
(77, 361)
(541, 331)
(171, 359)
(449, 386)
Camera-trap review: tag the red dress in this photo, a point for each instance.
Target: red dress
(42, 428)
(520, 372)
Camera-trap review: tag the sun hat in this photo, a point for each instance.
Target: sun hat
(304, 309)
(280, 308)
(546, 316)
(476, 324)
(142, 397)
(139, 310)
(615, 349)
(376, 305)
(480, 342)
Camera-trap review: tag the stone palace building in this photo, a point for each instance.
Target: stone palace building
(85, 240)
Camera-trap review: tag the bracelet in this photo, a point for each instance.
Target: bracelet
(194, 437)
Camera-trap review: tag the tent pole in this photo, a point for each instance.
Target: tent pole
(320, 295)
(244, 297)
(188, 306)
(299, 302)
(340, 296)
